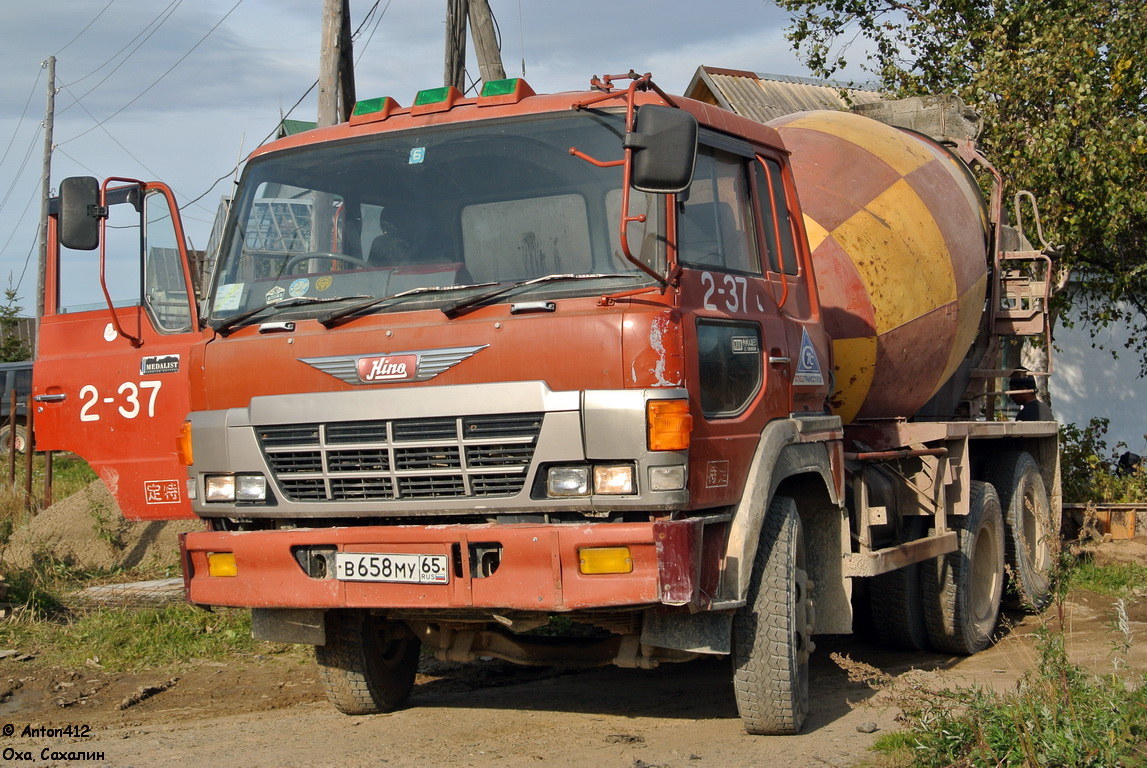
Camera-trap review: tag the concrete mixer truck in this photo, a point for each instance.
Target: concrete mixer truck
(697, 384)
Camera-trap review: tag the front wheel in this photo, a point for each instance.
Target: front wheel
(368, 664)
(772, 633)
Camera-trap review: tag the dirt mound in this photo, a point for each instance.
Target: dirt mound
(87, 531)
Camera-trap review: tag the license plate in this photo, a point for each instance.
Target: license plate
(402, 569)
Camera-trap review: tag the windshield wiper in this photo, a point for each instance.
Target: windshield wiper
(228, 325)
(465, 305)
(331, 319)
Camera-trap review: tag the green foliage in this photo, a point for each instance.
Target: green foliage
(12, 347)
(1088, 467)
(117, 639)
(1058, 715)
(1063, 92)
(1112, 580)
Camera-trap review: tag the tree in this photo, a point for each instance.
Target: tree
(1062, 86)
(12, 347)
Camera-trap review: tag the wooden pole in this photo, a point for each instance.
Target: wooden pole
(347, 95)
(329, 55)
(455, 69)
(485, 41)
(46, 185)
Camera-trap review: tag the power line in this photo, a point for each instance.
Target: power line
(158, 22)
(85, 29)
(23, 165)
(23, 112)
(27, 205)
(160, 78)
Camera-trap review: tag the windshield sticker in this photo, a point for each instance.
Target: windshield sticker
(276, 294)
(808, 364)
(300, 287)
(229, 296)
(158, 364)
(417, 155)
(322, 283)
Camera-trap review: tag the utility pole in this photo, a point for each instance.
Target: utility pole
(455, 70)
(336, 100)
(485, 41)
(46, 185)
(329, 56)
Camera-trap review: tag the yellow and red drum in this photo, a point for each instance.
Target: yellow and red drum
(899, 237)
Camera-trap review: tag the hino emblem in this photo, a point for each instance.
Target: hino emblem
(379, 368)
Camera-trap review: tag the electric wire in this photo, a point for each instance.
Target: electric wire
(284, 116)
(23, 165)
(158, 22)
(85, 29)
(23, 213)
(23, 112)
(161, 77)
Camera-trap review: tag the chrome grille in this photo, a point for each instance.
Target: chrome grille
(433, 458)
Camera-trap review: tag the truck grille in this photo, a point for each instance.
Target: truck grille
(388, 460)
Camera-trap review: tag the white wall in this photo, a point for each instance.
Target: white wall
(1088, 382)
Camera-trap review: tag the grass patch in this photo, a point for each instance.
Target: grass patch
(1059, 714)
(117, 639)
(1112, 580)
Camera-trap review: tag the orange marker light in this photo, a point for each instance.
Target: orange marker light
(669, 423)
(183, 445)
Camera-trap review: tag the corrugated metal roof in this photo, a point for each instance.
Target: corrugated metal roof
(763, 97)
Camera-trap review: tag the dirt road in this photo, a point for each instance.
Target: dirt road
(269, 711)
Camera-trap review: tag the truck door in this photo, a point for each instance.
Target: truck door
(111, 375)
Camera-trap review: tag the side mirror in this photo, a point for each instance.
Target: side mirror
(79, 223)
(664, 141)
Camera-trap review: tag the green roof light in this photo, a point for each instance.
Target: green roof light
(500, 87)
(432, 96)
(369, 106)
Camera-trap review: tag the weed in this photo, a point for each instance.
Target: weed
(1057, 715)
(1089, 467)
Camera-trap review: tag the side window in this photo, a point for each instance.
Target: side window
(165, 289)
(714, 228)
(729, 358)
(774, 216)
(79, 271)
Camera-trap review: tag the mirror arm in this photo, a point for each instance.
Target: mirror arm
(136, 341)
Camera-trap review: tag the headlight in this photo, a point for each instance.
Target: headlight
(567, 481)
(224, 488)
(615, 480)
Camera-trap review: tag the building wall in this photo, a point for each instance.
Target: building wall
(1087, 382)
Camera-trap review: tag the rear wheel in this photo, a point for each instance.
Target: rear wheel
(1030, 534)
(894, 598)
(368, 664)
(772, 633)
(961, 590)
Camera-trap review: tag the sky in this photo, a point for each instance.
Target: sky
(180, 91)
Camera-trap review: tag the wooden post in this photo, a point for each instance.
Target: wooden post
(347, 95)
(48, 478)
(455, 69)
(485, 41)
(29, 455)
(329, 55)
(12, 399)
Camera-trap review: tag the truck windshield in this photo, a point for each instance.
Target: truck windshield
(481, 204)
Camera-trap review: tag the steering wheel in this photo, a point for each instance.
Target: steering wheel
(352, 261)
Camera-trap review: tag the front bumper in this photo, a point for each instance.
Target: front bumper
(538, 568)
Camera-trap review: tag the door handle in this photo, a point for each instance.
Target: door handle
(778, 360)
(57, 398)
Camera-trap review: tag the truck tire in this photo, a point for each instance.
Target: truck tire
(1030, 534)
(895, 604)
(367, 665)
(962, 589)
(772, 633)
(6, 437)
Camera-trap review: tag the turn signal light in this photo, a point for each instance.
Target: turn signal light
(221, 564)
(605, 560)
(669, 423)
(183, 445)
